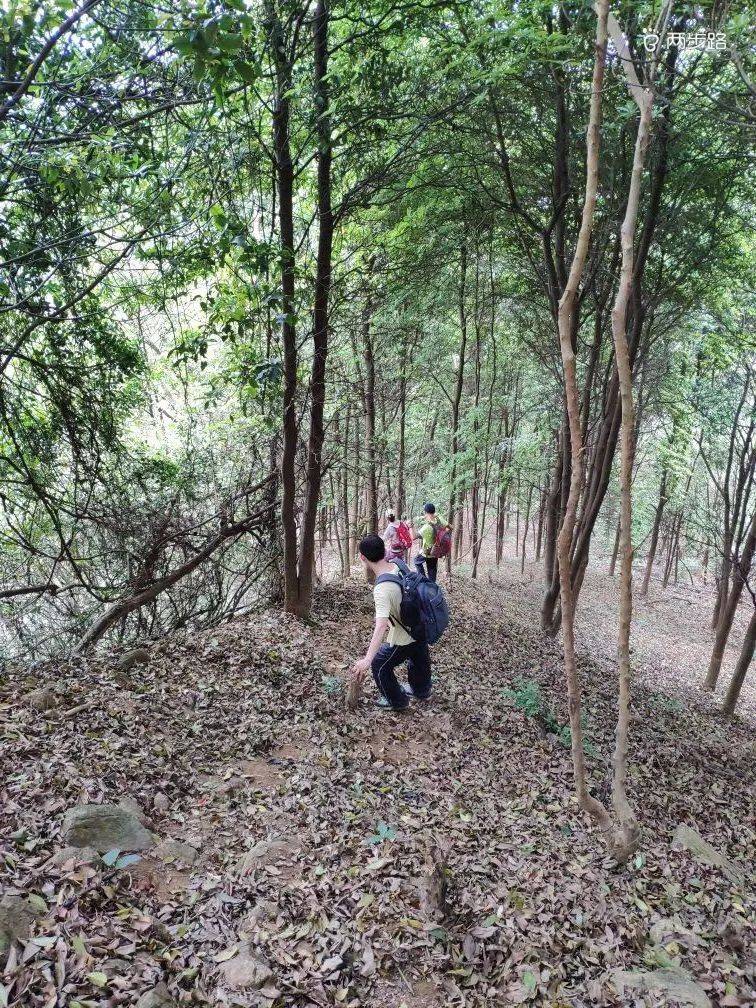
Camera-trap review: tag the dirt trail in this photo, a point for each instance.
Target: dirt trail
(316, 829)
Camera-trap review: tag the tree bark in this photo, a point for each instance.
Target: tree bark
(655, 533)
(401, 493)
(284, 173)
(730, 606)
(743, 664)
(567, 320)
(320, 318)
(456, 401)
(371, 486)
(627, 836)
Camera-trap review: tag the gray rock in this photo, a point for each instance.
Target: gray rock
(161, 802)
(176, 850)
(16, 917)
(105, 827)
(158, 997)
(133, 806)
(246, 969)
(688, 838)
(139, 656)
(42, 699)
(666, 929)
(80, 855)
(671, 980)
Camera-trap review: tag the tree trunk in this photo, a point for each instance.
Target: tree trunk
(743, 664)
(615, 550)
(320, 310)
(401, 503)
(346, 563)
(673, 537)
(730, 606)
(600, 461)
(539, 532)
(456, 401)
(627, 836)
(655, 532)
(527, 526)
(284, 175)
(568, 325)
(371, 485)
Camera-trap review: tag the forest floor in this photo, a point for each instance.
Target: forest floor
(303, 848)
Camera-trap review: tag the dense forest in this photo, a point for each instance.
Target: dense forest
(272, 269)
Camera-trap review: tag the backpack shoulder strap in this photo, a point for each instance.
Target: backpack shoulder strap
(397, 580)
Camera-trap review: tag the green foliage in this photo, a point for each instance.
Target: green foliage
(526, 696)
(383, 832)
(140, 290)
(332, 684)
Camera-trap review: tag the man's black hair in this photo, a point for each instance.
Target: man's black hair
(372, 547)
(429, 508)
(391, 516)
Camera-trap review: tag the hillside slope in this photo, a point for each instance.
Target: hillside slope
(311, 846)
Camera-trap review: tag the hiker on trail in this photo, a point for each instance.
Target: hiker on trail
(397, 537)
(435, 542)
(400, 645)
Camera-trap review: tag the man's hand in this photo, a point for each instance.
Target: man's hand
(360, 667)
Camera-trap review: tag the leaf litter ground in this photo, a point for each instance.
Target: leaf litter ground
(298, 841)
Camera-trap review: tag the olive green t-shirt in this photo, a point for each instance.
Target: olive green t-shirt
(428, 533)
(388, 601)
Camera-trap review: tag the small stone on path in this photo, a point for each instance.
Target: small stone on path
(691, 840)
(105, 827)
(16, 917)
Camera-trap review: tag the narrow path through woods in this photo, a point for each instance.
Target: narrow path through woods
(308, 834)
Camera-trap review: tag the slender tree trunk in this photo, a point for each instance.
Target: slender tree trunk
(628, 833)
(553, 497)
(371, 485)
(401, 503)
(741, 668)
(284, 173)
(568, 325)
(346, 563)
(655, 533)
(320, 309)
(356, 492)
(527, 526)
(539, 532)
(615, 550)
(673, 537)
(599, 465)
(730, 606)
(459, 525)
(456, 401)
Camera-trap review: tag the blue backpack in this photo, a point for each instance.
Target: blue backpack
(424, 610)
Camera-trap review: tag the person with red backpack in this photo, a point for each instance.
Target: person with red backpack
(397, 537)
(435, 542)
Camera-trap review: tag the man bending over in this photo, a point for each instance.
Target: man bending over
(399, 646)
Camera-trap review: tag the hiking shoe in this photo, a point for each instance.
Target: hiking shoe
(383, 704)
(407, 690)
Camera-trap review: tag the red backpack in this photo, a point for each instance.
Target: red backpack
(442, 541)
(403, 535)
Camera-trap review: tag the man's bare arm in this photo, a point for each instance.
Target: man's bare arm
(379, 632)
